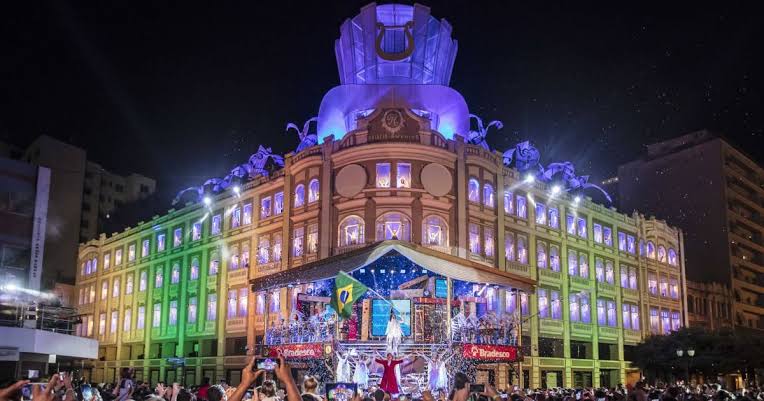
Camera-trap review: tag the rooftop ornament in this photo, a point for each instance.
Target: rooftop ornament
(256, 165)
(306, 140)
(478, 137)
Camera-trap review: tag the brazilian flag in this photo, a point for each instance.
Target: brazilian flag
(347, 290)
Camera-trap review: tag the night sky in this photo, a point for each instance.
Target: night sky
(183, 93)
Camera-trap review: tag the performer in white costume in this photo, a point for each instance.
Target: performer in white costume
(361, 373)
(393, 334)
(342, 374)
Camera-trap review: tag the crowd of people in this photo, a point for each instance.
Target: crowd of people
(278, 384)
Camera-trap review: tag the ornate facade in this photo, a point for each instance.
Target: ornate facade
(178, 285)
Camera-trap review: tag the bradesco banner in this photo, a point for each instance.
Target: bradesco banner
(498, 353)
(297, 351)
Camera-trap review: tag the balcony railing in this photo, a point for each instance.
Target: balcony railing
(57, 319)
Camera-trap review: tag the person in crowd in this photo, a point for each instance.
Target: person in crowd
(310, 389)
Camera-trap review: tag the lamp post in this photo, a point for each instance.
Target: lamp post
(690, 353)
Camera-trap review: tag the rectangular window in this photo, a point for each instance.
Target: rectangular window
(172, 319)
(509, 206)
(404, 175)
(585, 311)
(247, 213)
(194, 272)
(196, 231)
(141, 323)
(554, 217)
(633, 278)
(522, 249)
(236, 217)
(158, 278)
(312, 239)
(674, 288)
(243, 297)
(156, 317)
(127, 322)
(509, 246)
(115, 288)
(541, 255)
(631, 244)
(582, 227)
(599, 270)
(160, 242)
(101, 324)
(583, 265)
(621, 241)
(540, 214)
(129, 284)
(383, 175)
(474, 238)
(131, 253)
(106, 261)
(297, 241)
(572, 262)
(263, 249)
(655, 324)
(114, 322)
(570, 224)
(543, 303)
(524, 304)
(278, 203)
(522, 207)
(233, 303)
(192, 310)
(556, 305)
(676, 322)
(118, 257)
(214, 265)
(90, 326)
(634, 317)
(664, 287)
(233, 262)
(612, 319)
(277, 247)
(265, 207)
(597, 233)
(212, 307)
(601, 314)
(624, 276)
(554, 258)
(609, 272)
(175, 274)
(145, 248)
(177, 237)
(626, 316)
(575, 308)
(216, 224)
(607, 233)
(652, 283)
(104, 289)
(489, 242)
(665, 322)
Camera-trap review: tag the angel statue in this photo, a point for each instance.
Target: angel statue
(525, 157)
(199, 193)
(573, 182)
(306, 140)
(478, 137)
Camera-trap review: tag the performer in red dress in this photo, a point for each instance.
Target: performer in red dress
(389, 381)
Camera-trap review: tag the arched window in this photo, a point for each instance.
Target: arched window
(473, 190)
(650, 250)
(194, 274)
(661, 254)
(488, 198)
(393, 226)
(299, 195)
(435, 231)
(313, 191)
(351, 231)
(672, 259)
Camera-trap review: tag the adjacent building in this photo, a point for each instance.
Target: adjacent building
(716, 194)
(388, 169)
(81, 197)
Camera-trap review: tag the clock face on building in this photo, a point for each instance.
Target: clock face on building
(392, 120)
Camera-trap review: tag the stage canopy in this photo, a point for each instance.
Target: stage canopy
(437, 262)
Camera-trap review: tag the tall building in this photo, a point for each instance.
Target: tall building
(81, 196)
(389, 192)
(24, 204)
(709, 305)
(716, 194)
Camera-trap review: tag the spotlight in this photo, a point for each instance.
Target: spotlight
(11, 287)
(207, 201)
(577, 200)
(236, 189)
(556, 190)
(529, 179)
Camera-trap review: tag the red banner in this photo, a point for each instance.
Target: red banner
(297, 351)
(484, 352)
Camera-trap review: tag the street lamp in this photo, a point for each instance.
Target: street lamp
(690, 353)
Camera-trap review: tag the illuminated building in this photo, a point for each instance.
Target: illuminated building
(389, 168)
